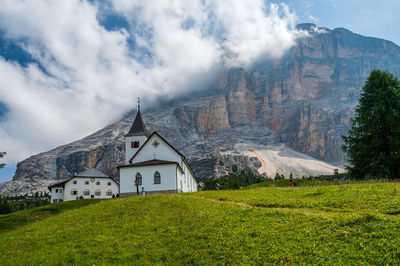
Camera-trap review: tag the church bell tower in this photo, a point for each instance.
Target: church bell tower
(136, 136)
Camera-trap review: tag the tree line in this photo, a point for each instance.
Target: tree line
(18, 203)
(234, 180)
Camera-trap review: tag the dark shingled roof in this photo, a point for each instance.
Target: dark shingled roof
(150, 162)
(91, 172)
(59, 184)
(138, 128)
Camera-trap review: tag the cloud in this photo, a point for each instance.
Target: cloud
(313, 18)
(86, 76)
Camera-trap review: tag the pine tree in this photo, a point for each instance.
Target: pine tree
(1, 156)
(373, 141)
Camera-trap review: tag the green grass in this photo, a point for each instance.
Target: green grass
(303, 182)
(20, 218)
(348, 224)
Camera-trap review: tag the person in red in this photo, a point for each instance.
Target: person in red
(291, 183)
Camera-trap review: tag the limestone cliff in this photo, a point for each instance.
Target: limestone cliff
(304, 101)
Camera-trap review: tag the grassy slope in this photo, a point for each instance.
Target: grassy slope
(345, 224)
(20, 218)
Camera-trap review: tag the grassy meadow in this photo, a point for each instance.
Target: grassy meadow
(315, 223)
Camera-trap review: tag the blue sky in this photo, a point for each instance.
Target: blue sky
(61, 60)
(370, 18)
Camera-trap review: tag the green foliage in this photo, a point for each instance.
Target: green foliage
(279, 177)
(234, 168)
(351, 224)
(232, 181)
(1, 156)
(20, 218)
(373, 141)
(13, 204)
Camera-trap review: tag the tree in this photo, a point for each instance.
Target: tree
(373, 141)
(1, 156)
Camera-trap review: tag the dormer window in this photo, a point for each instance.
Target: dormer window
(135, 144)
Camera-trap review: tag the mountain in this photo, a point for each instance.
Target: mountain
(284, 115)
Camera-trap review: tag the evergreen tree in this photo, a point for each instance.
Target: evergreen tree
(373, 141)
(1, 156)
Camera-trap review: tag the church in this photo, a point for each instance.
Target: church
(153, 164)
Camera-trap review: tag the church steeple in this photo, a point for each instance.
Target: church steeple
(136, 136)
(138, 128)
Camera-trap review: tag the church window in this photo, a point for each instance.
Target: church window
(97, 192)
(135, 144)
(139, 178)
(157, 178)
(86, 182)
(74, 182)
(98, 183)
(86, 192)
(74, 192)
(109, 193)
(156, 143)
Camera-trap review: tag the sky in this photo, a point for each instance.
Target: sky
(69, 68)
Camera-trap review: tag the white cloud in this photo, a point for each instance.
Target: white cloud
(91, 77)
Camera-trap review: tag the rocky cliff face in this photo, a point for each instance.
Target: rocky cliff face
(304, 101)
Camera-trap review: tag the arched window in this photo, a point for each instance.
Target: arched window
(157, 178)
(139, 179)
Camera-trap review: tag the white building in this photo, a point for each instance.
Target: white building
(90, 184)
(156, 165)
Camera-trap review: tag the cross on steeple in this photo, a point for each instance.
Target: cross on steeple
(138, 103)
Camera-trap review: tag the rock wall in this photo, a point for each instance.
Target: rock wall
(304, 100)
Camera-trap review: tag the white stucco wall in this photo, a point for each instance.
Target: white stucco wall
(92, 187)
(167, 173)
(162, 152)
(128, 148)
(181, 182)
(187, 180)
(59, 195)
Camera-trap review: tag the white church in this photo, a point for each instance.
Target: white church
(153, 164)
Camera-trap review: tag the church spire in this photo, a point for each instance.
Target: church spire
(138, 128)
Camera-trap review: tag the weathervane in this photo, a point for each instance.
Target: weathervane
(138, 103)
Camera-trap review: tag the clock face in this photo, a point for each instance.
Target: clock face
(92, 179)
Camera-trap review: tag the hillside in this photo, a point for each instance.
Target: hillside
(356, 223)
(296, 107)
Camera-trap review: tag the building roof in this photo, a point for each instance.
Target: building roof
(91, 172)
(151, 162)
(138, 128)
(59, 184)
(144, 144)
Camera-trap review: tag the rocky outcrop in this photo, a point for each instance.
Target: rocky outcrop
(304, 101)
